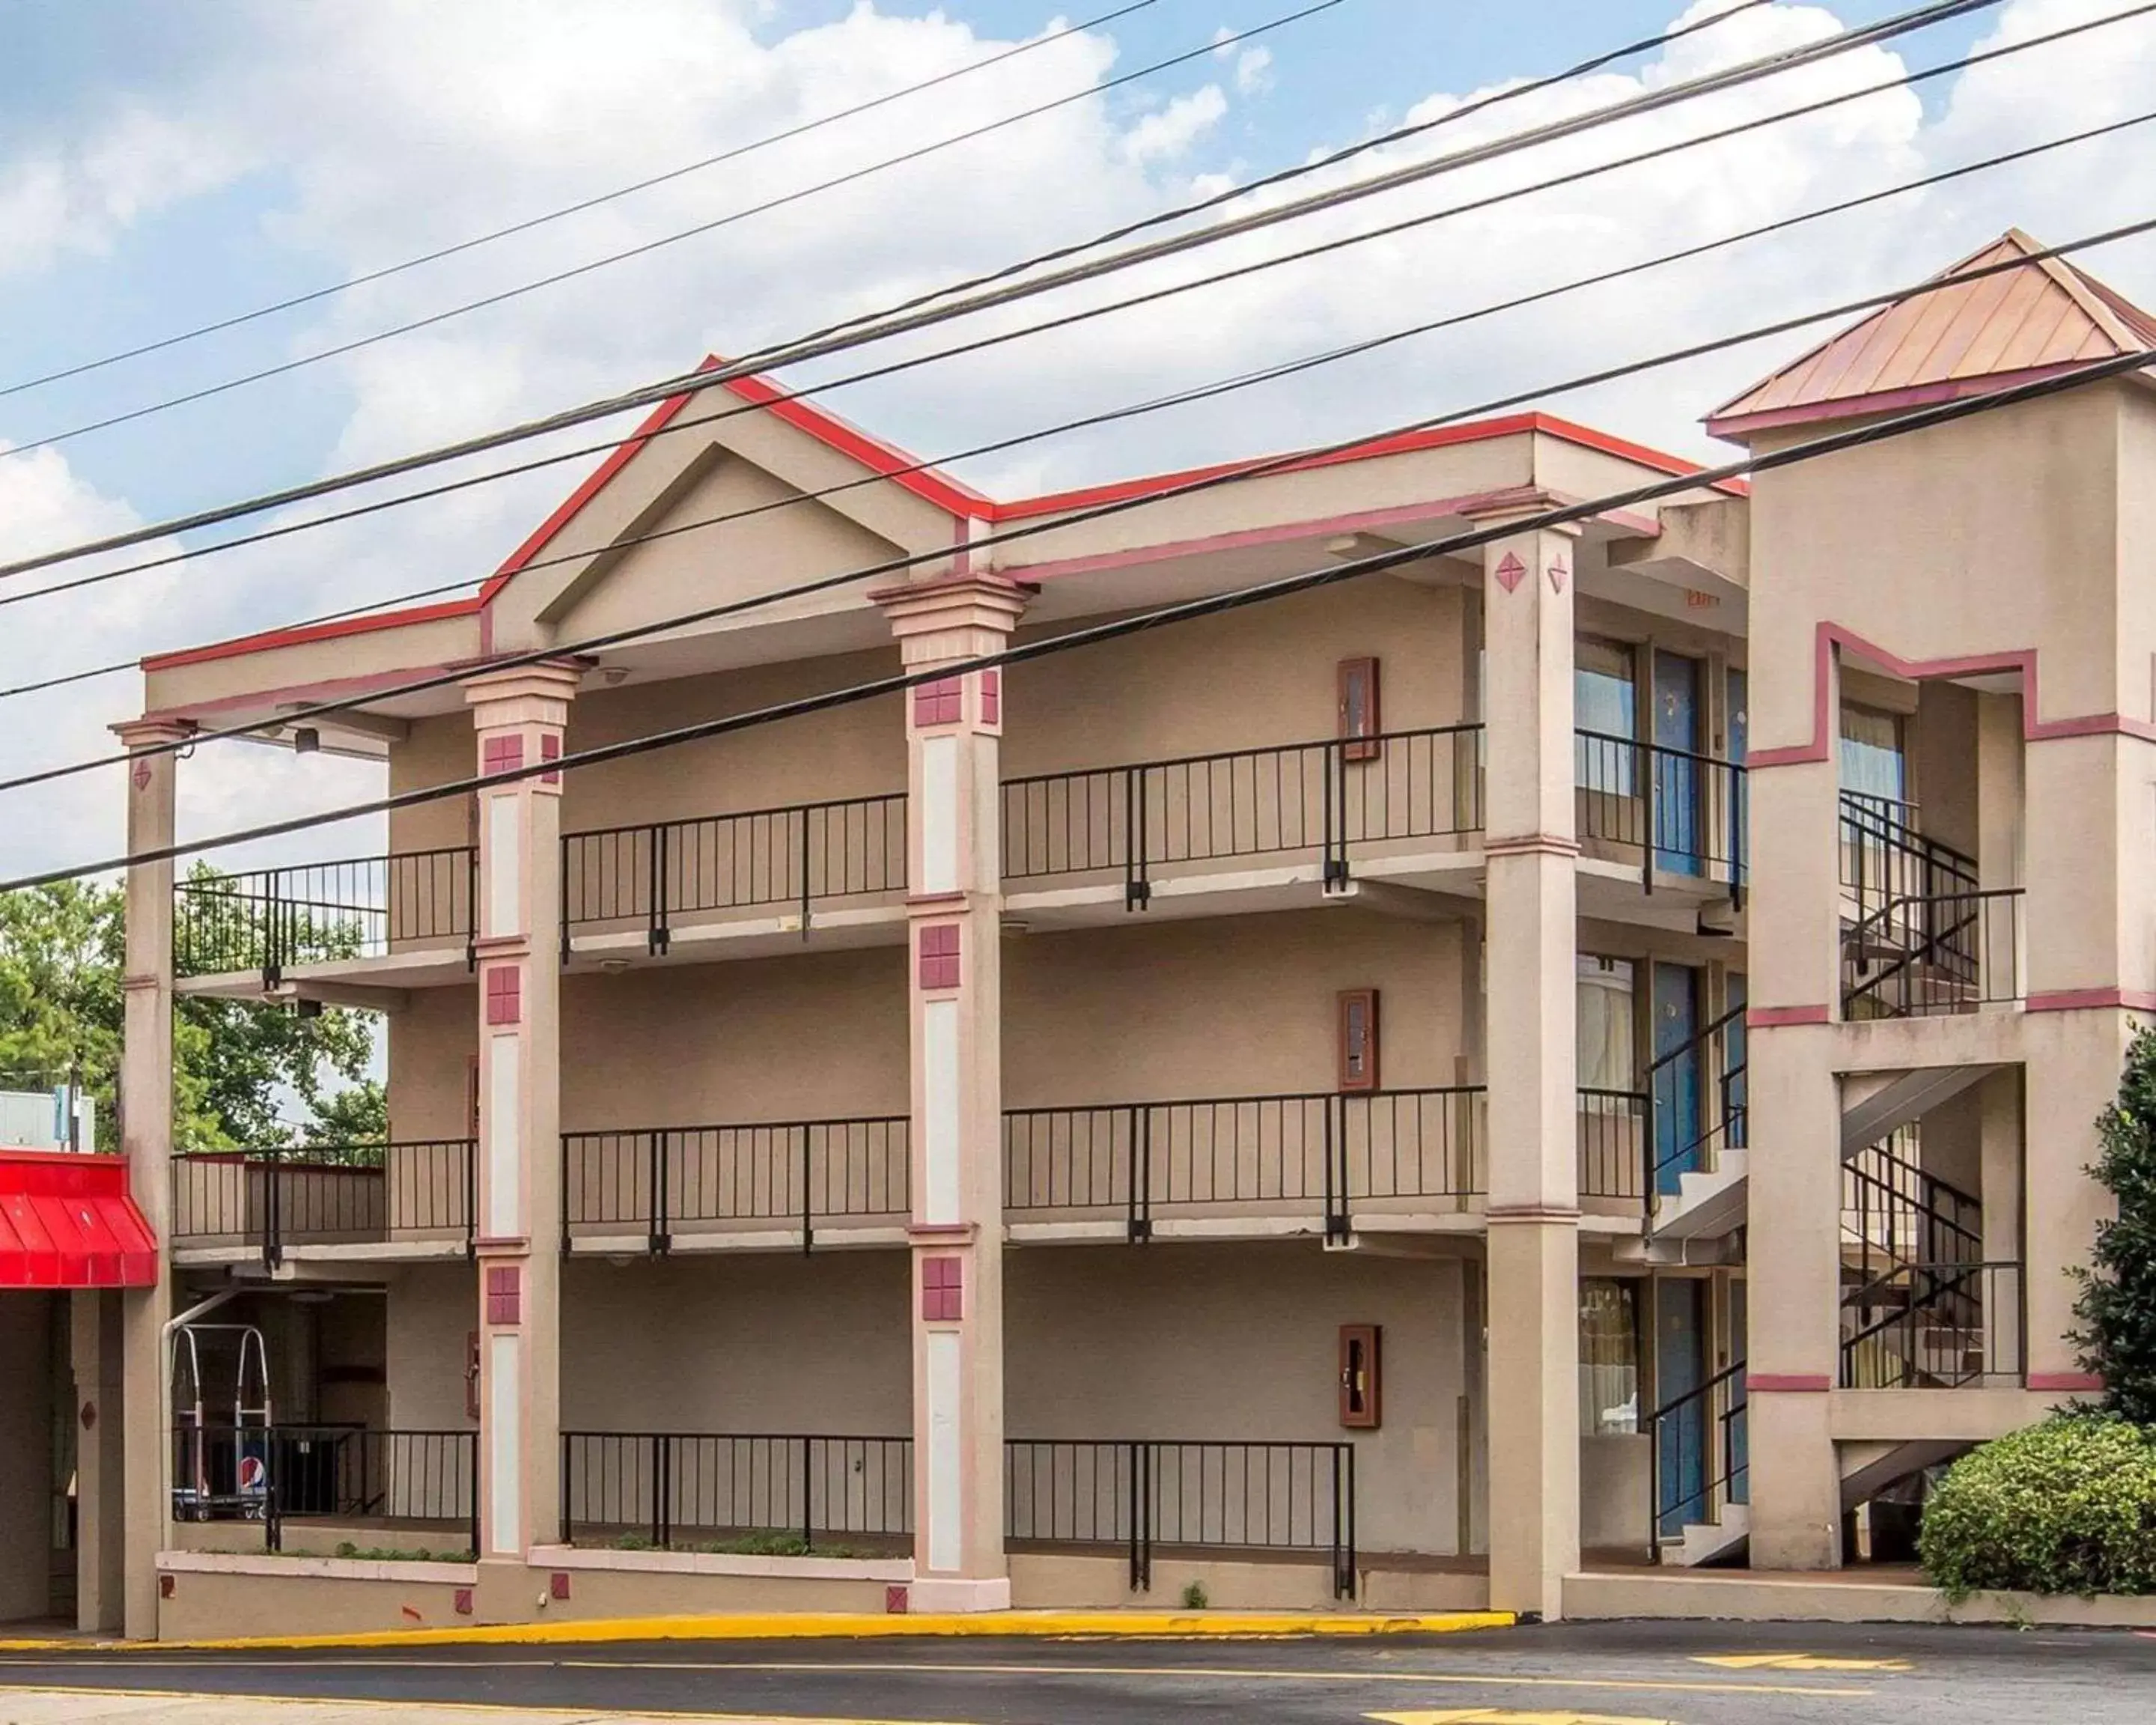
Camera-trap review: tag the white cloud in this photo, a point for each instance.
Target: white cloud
(502, 108)
(1253, 71)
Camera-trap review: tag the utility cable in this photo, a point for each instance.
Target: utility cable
(210, 390)
(733, 154)
(1232, 475)
(1665, 96)
(1182, 398)
(718, 373)
(1213, 605)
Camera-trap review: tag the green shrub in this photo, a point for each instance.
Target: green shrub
(2068, 1506)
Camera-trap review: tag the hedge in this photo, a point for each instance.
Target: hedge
(2068, 1506)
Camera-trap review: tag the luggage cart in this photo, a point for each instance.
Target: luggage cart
(211, 1483)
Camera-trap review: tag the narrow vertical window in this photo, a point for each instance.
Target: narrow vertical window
(1359, 708)
(1358, 1038)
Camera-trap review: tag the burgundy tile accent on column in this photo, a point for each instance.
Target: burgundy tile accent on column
(943, 1290)
(504, 994)
(550, 749)
(992, 697)
(939, 956)
(502, 754)
(940, 702)
(505, 1294)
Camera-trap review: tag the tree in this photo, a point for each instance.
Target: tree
(236, 1067)
(2116, 1308)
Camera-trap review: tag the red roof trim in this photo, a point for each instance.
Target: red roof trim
(303, 634)
(907, 471)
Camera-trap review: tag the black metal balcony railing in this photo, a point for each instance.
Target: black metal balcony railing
(361, 908)
(1325, 798)
(1948, 952)
(1935, 1326)
(1318, 1148)
(1138, 1495)
(1895, 1213)
(777, 1493)
(1699, 1456)
(275, 1474)
(1683, 812)
(1613, 1143)
(803, 1171)
(797, 855)
(273, 1196)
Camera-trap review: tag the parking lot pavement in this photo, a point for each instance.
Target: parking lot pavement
(1686, 1673)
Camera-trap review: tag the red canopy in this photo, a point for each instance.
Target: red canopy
(66, 1221)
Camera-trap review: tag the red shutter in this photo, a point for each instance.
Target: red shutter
(1358, 1038)
(1358, 709)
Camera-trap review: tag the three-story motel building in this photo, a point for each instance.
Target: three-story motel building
(1460, 1086)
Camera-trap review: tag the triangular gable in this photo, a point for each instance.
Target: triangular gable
(2010, 327)
(888, 501)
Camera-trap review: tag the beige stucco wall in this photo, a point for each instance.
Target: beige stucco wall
(1224, 1007)
(25, 1462)
(1243, 679)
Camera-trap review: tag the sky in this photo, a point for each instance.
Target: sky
(165, 164)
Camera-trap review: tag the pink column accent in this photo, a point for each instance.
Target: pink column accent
(953, 725)
(520, 717)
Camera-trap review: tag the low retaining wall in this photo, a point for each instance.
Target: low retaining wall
(1739, 1597)
(212, 1595)
(1053, 1580)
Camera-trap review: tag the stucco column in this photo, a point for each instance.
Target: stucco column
(2074, 1059)
(520, 717)
(1999, 1139)
(146, 1129)
(1794, 1123)
(1532, 936)
(953, 986)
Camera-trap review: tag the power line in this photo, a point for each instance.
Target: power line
(810, 348)
(733, 369)
(1232, 475)
(733, 154)
(1196, 392)
(1835, 442)
(505, 295)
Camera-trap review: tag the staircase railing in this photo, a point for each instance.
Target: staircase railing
(1883, 856)
(1713, 1060)
(1940, 1326)
(1944, 952)
(1699, 1458)
(1895, 1212)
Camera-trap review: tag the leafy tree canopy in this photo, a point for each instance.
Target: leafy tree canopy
(238, 1070)
(2117, 1303)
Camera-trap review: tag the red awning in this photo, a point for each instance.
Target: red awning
(66, 1221)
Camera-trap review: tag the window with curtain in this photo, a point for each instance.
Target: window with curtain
(1608, 1357)
(1873, 760)
(1604, 700)
(1603, 1013)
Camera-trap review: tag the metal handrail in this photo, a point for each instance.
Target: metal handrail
(1729, 1116)
(1938, 943)
(264, 1208)
(1929, 1286)
(268, 919)
(1718, 1485)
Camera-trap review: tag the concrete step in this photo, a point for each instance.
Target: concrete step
(1704, 1542)
(1706, 1206)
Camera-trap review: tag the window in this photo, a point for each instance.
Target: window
(1874, 762)
(1608, 1357)
(1359, 708)
(1605, 704)
(1607, 1060)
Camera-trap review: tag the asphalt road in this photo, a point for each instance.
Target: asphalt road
(1553, 1675)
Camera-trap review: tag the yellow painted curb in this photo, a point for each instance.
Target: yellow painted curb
(803, 1625)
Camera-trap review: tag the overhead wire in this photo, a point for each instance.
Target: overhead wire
(208, 391)
(1177, 398)
(1233, 474)
(1876, 430)
(795, 351)
(719, 373)
(734, 153)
